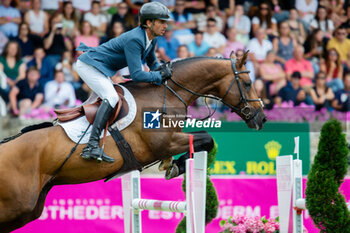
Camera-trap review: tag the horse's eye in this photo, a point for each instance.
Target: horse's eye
(247, 84)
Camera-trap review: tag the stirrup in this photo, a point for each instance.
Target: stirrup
(88, 154)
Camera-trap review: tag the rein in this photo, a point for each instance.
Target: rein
(246, 111)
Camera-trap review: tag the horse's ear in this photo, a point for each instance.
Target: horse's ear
(232, 55)
(244, 59)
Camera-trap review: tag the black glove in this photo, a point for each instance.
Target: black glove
(165, 71)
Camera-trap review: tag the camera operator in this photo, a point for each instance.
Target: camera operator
(55, 43)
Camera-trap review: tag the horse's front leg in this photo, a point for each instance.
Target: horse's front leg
(202, 141)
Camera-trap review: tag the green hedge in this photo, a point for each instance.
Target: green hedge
(326, 206)
(212, 202)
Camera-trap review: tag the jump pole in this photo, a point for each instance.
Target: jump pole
(193, 208)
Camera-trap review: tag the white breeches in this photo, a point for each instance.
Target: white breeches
(98, 82)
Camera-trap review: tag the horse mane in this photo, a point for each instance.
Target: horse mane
(26, 130)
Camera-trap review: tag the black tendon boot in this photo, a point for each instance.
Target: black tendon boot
(92, 149)
(177, 167)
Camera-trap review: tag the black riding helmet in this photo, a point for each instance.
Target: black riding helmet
(154, 10)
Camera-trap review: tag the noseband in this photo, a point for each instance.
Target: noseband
(246, 110)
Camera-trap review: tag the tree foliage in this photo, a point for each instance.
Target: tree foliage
(326, 205)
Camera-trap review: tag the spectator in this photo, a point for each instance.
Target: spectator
(340, 43)
(248, 65)
(97, 19)
(272, 74)
(86, 35)
(10, 18)
(231, 43)
(342, 100)
(280, 9)
(59, 93)
(27, 94)
(211, 12)
(226, 7)
(82, 6)
(109, 6)
(198, 47)
(284, 44)
(212, 52)
(37, 19)
(259, 46)
(315, 46)
(115, 30)
(135, 5)
(307, 10)
(3, 41)
(322, 22)
(196, 6)
(42, 64)
(335, 10)
(55, 43)
(27, 41)
(182, 52)
(70, 22)
(296, 26)
(291, 92)
(261, 92)
(51, 6)
(333, 69)
(12, 65)
(241, 23)
(67, 66)
(265, 20)
(346, 23)
(182, 23)
(124, 16)
(213, 37)
(168, 45)
(168, 3)
(298, 63)
(321, 94)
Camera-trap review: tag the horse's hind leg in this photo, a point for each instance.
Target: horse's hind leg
(22, 220)
(202, 141)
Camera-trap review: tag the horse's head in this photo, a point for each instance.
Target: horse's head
(239, 94)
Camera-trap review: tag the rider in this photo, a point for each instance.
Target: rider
(131, 49)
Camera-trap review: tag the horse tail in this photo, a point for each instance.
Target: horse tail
(26, 130)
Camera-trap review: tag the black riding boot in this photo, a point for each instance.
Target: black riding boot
(92, 149)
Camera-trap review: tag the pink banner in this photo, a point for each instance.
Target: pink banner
(97, 206)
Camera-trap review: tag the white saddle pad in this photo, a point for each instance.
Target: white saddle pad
(76, 128)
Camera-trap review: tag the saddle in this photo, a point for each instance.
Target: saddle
(90, 106)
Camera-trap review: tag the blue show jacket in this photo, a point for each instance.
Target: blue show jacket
(129, 49)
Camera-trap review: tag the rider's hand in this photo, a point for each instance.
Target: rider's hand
(165, 71)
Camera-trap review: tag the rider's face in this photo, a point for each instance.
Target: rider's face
(159, 27)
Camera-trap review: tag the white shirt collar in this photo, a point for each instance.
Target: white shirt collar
(148, 42)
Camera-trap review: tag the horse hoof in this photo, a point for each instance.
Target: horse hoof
(172, 172)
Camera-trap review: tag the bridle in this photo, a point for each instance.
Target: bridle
(246, 110)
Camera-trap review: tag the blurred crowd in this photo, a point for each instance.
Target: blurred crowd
(299, 51)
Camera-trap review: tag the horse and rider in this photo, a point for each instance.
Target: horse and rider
(24, 185)
(131, 49)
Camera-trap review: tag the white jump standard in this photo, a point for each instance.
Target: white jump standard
(193, 208)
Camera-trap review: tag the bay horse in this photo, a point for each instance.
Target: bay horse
(29, 162)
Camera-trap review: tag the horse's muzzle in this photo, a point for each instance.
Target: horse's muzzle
(257, 121)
